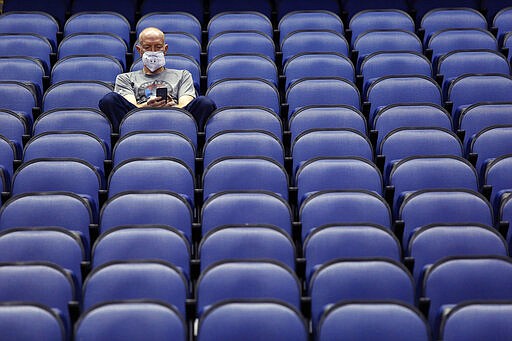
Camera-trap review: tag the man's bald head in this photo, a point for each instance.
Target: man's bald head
(151, 33)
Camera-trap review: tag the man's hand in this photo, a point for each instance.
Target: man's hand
(158, 102)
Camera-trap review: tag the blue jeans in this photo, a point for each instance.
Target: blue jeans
(116, 106)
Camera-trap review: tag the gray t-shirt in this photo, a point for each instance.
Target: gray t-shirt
(143, 86)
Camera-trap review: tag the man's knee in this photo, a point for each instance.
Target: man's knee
(108, 100)
(206, 103)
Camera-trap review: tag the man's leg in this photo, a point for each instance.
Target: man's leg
(115, 107)
(201, 108)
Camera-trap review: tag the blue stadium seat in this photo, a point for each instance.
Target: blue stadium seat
(30, 22)
(99, 22)
(64, 210)
(333, 241)
(345, 280)
(385, 320)
(477, 320)
(171, 22)
(379, 19)
(194, 7)
(302, 41)
(241, 20)
(421, 7)
(286, 6)
(14, 127)
(241, 65)
(252, 319)
(86, 68)
(245, 173)
(247, 207)
(57, 9)
(147, 207)
(313, 19)
(246, 242)
(131, 320)
(242, 279)
(27, 45)
(243, 118)
(7, 157)
(129, 280)
(253, 42)
(75, 94)
(501, 23)
(343, 207)
(126, 8)
(20, 98)
(490, 143)
(143, 144)
(30, 321)
(498, 175)
(24, 69)
(351, 7)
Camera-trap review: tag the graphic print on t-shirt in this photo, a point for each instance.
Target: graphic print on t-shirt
(147, 90)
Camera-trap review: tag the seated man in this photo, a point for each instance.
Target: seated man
(138, 89)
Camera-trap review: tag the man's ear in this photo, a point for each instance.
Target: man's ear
(166, 47)
(139, 49)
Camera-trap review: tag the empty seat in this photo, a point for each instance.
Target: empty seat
(139, 242)
(64, 210)
(313, 19)
(233, 92)
(241, 65)
(28, 45)
(126, 8)
(147, 207)
(246, 207)
(133, 320)
(490, 143)
(253, 42)
(86, 120)
(194, 7)
(128, 280)
(404, 142)
(431, 206)
(243, 118)
(505, 212)
(332, 241)
(24, 69)
(170, 22)
(243, 143)
(301, 41)
(245, 173)
(251, 320)
(7, 157)
(403, 115)
(98, 22)
(388, 63)
(470, 89)
(57, 175)
(454, 280)
(86, 68)
(20, 98)
(385, 40)
(152, 144)
(402, 89)
(321, 91)
(492, 7)
(171, 119)
(94, 43)
(449, 40)
(30, 321)
(329, 143)
(366, 279)
(460, 62)
(479, 116)
(498, 175)
(50, 244)
(285, 6)
(152, 173)
(242, 279)
(373, 320)
(75, 94)
(379, 19)
(334, 173)
(15, 128)
(318, 64)
(219, 6)
(501, 23)
(39, 282)
(325, 116)
(57, 9)
(433, 242)
(246, 241)
(477, 320)
(351, 7)
(439, 19)
(80, 145)
(232, 19)
(421, 7)
(342, 207)
(422, 172)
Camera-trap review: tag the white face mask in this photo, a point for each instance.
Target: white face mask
(153, 60)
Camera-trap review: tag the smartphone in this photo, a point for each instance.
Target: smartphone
(162, 93)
